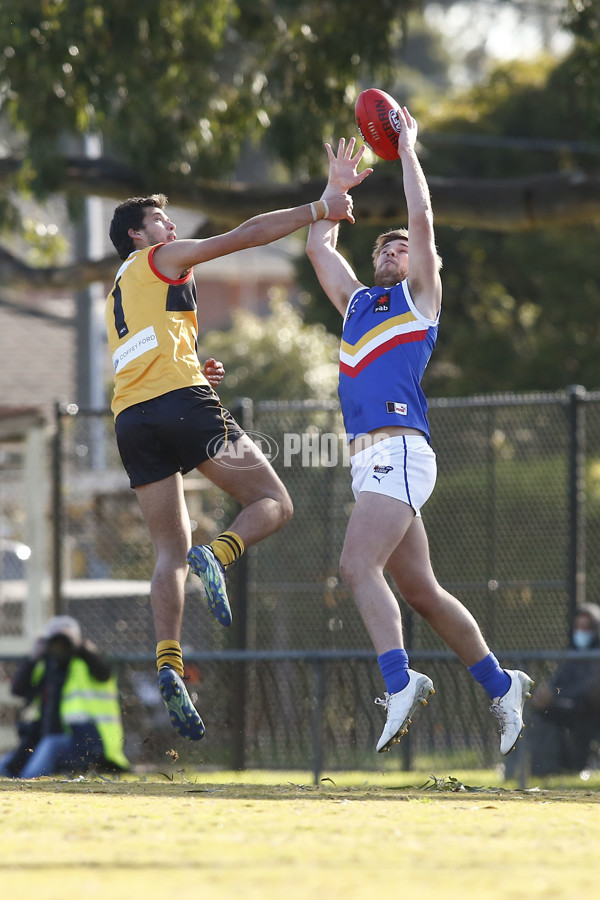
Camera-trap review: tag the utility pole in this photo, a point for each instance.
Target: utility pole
(90, 353)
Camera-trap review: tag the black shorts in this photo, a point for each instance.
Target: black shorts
(175, 432)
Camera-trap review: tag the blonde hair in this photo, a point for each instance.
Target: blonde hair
(396, 234)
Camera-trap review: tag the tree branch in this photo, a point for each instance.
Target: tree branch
(14, 273)
(511, 204)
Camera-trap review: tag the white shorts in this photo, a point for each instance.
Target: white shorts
(403, 467)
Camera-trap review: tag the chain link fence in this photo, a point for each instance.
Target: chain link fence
(513, 525)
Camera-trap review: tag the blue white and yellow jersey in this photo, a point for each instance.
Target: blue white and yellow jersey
(152, 329)
(386, 345)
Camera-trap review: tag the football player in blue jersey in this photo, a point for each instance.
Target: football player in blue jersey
(389, 332)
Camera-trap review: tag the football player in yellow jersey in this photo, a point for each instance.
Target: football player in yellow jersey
(168, 419)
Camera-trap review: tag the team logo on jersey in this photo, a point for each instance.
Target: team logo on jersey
(382, 304)
(380, 471)
(136, 346)
(352, 309)
(400, 409)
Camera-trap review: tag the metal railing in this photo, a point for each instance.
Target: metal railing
(513, 525)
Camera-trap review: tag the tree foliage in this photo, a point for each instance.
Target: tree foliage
(524, 308)
(181, 86)
(521, 312)
(181, 92)
(190, 96)
(520, 307)
(278, 357)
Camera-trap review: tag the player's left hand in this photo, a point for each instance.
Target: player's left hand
(343, 166)
(214, 371)
(408, 130)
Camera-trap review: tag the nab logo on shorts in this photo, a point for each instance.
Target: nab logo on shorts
(382, 304)
(380, 471)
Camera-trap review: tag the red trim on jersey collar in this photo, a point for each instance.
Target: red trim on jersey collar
(164, 277)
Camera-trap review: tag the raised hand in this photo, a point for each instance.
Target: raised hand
(408, 130)
(343, 173)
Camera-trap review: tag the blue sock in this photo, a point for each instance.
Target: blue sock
(394, 668)
(490, 676)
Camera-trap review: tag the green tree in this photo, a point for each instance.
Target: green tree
(176, 86)
(521, 308)
(183, 92)
(187, 97)
(277, 357)
(524, 307)
(521, 312)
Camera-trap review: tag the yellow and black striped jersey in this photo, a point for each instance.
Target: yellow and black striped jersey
(152, 330)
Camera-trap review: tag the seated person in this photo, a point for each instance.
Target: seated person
(74, 700)
(565, 713)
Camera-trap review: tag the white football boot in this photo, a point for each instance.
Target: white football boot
(509, 709)
(401, 706)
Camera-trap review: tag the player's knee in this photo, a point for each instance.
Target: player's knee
(422, 596)
(349, 568)
(286, 507)
(169, 550)
(417, 600)
(279, 505)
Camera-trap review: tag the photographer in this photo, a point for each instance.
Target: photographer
(72, 698)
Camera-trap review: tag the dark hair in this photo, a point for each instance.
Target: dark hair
(130, 214)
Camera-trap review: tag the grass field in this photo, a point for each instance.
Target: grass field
(276, 835)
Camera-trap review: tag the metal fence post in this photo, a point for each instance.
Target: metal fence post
(317, 718)
(576, 488)
(245, 415)
(492, 523)
(406, 750)
(57, 513)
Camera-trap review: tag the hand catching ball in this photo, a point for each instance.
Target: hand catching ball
(378, 120)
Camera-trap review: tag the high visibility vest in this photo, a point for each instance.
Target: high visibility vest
(84, 699)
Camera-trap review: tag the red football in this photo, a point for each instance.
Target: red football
(378, 119)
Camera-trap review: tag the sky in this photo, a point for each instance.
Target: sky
(507, 32)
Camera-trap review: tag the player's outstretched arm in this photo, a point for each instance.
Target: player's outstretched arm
(423, 277)
(336, 276)
(178, 256)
